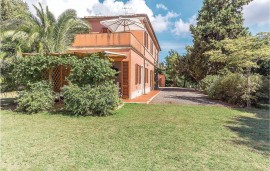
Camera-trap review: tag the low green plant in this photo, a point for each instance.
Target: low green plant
(88, 100)
(7, 78)
(208, 83)
(231, 87)
(39, 97)
(92, 70)
(31, 69)
(263, 92)
(92, 77)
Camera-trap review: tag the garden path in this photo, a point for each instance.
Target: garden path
(184, 96)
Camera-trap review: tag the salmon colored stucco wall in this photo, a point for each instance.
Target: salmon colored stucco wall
(136, 89)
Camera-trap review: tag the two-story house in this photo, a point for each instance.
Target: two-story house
(134, 53)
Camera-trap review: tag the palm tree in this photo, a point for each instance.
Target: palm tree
(42, 33)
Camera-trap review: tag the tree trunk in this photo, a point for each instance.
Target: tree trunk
(248, 89)
(184, 81)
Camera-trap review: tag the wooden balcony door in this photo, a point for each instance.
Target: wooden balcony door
(125, 80)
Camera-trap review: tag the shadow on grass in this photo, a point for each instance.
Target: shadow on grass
(253, 132)
(58, 109)
(8, 104)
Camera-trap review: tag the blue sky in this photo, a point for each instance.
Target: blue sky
(170, 18)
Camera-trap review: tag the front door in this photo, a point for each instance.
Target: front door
(125, 80)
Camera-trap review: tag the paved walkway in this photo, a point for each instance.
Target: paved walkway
(173, 95)
(146, 98)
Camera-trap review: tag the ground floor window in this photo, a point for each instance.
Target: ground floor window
(146, 75)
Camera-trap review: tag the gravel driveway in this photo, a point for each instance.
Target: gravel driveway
(185, 96)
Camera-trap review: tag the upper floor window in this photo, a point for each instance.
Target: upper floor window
(146, 40)
(136, 74)
(151, 47)
(105, 30)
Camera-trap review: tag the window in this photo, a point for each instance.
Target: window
(146, 75)
(136, 74)
(139, 73)
(151, 77)
(151, 47)
(146, 40)
(105, 30)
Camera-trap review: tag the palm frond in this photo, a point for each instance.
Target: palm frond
(40, 14)
(50, 16)
(42, 32)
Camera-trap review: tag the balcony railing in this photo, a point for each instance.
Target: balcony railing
(108, 40)
(101, 40)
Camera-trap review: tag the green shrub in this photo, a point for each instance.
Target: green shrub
(93, 74)
(31, 69)
(92, 70)
(7, 78)
(39, 97)
(89, 100)
(231, 87)
(208, 84)
(263, 92)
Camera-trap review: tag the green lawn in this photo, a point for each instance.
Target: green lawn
(138, 137)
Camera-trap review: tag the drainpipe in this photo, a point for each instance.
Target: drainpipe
(156, 76)
(144, 76)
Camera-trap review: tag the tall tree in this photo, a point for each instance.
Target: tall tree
(43, 33)
(243, 54)
(216, 21)
(172, 74)
(11, 8)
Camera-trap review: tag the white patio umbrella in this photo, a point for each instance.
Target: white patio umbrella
(123, 24)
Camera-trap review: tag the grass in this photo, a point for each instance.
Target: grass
(138, 137)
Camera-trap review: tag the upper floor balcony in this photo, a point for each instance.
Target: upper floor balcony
(108, 40)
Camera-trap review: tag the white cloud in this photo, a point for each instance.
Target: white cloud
(161, 6)
(181, 28)
(108, 7)
(59, 6)
(257, 13)
(95, 7)
(161, 23)
(171, 45)
(113, 7)
(116, 7)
